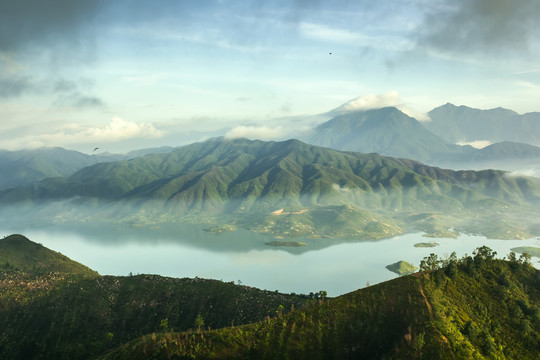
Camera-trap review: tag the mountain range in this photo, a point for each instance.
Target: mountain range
(464, 124)
(321, 191)
(389, 131)
(25, 167)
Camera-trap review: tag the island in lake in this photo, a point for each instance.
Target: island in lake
(286, 243)
(426, 244)
(402, 268)
(531, 250)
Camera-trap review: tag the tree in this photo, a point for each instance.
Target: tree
(164, 324)
(199, 322)
(430, 263)
(525, 259)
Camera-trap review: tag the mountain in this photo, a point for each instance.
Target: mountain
(19, 253)
(321, 191)
(25, 167)
(386, 131)
(473, 307)
(67, 314)
(464, 124)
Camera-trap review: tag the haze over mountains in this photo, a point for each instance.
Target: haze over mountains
(464, 124)
(242, 182)
(512, 141)
(389, 131)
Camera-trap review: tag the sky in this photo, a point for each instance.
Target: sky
(128, 74)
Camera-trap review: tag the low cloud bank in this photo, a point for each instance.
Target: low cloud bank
(117, 130)
(477, 144)
(255, 132)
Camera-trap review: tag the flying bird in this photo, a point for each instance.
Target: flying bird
(95, 149)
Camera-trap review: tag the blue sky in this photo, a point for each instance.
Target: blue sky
(130, 74)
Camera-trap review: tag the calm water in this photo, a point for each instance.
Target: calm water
(241, 256)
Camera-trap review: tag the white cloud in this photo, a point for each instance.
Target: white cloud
(326, 33)
(371, 101)
(255, 132)
(117, 130)
(477, 144)
(535, 172)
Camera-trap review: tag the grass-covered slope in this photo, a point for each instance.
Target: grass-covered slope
(65, 315)
(20, 254)
(473, 308)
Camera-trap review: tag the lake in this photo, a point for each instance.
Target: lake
(185, 250)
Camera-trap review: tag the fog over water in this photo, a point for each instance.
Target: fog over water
(242, 256)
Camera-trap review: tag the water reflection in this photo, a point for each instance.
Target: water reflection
(189, 251)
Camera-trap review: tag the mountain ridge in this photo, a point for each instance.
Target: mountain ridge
(245, 181)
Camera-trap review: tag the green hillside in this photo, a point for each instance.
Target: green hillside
(66, 315)
(471, 308)
(20, 254)
(242, 182)
(474, 307)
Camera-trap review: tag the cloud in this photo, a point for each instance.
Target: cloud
(13, 86)
(368, 102)
(28, 23)
(477, 144)
(371, 101)
(534, 172)
(255, 132)
(69, 94)
(331, 34)
(80, 101)
(72, 134)
(481, 26)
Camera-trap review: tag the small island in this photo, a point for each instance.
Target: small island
(221, 228)
(531, 250)
(286, 243)
(402, 268)
(426, 244)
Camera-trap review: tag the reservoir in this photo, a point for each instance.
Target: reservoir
(184, 250)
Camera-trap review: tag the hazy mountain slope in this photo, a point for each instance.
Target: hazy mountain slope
(386, 131)
(461, 123)
(246, 181)
(475, 307)
(68, 316)
(24, 167)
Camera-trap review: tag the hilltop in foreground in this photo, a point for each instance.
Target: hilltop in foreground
(475, 307)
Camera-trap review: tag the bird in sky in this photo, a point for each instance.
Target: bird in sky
(95, 149)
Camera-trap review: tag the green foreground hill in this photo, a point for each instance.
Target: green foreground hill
(20, 254)
(320, 192)
(476, 307)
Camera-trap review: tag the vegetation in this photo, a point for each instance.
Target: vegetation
(402, 268)
(325, 193)
(17, 253)
(77, 315)
(531, 250)
(286, 243)
(426, 244)
(476, 307)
